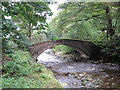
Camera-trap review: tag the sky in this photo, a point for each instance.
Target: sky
(54, 7)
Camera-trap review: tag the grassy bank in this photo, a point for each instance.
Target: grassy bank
(21, 71)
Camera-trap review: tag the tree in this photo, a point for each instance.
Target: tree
(27, 13)
(90, 19)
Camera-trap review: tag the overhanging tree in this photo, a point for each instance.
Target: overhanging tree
(24, 18)
(101, 17)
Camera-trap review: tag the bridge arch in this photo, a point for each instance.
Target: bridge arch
(84, 47)
(81, 52)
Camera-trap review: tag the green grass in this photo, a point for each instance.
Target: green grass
(24, 72)
(47, 78)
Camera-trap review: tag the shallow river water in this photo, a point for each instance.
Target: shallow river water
(84, 74)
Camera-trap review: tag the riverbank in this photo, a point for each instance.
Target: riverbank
(21, 71)
(77, 58)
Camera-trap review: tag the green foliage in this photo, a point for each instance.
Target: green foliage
(19, 20)
(49, 35)
(20, 66)
(38, 68)
(17, 70)
(45, 76)
(85, 20)
(64, 49)
(29, 11)
(110, 50)
(23, 72)
(19, 82)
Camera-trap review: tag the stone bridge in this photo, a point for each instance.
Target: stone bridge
(83, 47)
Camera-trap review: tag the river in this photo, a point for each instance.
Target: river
(83, 74)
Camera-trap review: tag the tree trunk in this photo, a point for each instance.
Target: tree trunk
(30, 32)
(110, 30)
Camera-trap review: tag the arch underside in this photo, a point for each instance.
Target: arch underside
(81, 52)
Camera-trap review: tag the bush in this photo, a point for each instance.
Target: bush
(110, 50)
(64, 49)
(20, 65)
(18, 71)
(19, 82)
(24, 72)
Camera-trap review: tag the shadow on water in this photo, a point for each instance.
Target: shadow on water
(81, 74)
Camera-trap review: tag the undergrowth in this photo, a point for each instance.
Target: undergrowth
(110, 50)
(21, 71)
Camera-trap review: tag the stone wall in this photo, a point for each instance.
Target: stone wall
(85, 48)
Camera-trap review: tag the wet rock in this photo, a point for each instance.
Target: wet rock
(81, 74)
